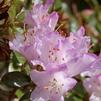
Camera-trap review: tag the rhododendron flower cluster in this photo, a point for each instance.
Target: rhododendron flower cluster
(61, 58)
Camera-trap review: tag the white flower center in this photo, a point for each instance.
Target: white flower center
(54, 86)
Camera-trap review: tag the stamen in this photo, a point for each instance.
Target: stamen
(59, 27)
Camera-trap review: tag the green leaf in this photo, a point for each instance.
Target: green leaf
(79, 90)
(19, 93)
(20, 58)
(15, 79)
(14, 9)
(25, 97)
(57, 4)
(28, 3)
(15, 61)
(20, 16)
(77, 94)
(17, 3)
(3, 87)
(12, 12)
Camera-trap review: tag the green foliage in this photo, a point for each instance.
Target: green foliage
(57, 5)
(25, 97)
(15, 61)
(28, 3)
(20, 16)
(14, 9)
(77, 94)
(15, 79)
(19, 93)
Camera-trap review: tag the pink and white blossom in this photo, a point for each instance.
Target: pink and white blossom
(93, 81)
(51, 85)
(39, 18)
(93, 86)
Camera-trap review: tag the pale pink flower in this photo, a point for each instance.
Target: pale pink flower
(93, 81)
(39, 18)
(93, 86)
(51, 85)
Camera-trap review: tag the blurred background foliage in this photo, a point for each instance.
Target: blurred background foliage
(15, 83)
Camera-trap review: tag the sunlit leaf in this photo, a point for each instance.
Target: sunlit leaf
(57, 4)
(14, 9)
(19, 93)
(15, 61)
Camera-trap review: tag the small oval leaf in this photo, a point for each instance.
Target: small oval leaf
(15, 79)
(25, 97)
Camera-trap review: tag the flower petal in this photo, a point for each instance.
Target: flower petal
(80, 64)
(39, 93)
(40, 78)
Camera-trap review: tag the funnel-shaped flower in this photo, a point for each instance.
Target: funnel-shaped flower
(53, 49)
(39, 18)
(51, 85)
(24, 45)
